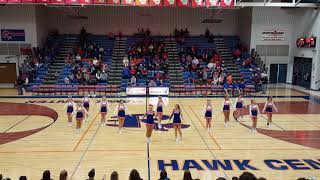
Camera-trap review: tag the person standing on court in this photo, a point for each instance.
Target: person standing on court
(20, 83)
(264, 80)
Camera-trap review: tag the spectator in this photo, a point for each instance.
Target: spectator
(46, 175)
(20, 84)
(264, 81)
(229, 78)
(78, 58)
(91, 174)
(187, 175)
(63, 175)
(114, 176)
(163, 175)
(195, 61)
(133, 81)
(66, 80)
(21, 178)
(125, 61)
(134, 175)
(247, 176)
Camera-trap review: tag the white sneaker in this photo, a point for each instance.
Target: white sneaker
(255, 130)
(159, 126)
(120, 131)
(69, 124)
(210, 131)
(226, 125)
(268, 126)
(177, 140)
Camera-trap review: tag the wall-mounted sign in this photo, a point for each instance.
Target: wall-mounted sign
(273, 35)
(13, 35)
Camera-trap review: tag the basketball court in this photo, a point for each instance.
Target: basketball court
(35, 137)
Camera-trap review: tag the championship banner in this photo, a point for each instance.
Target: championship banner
(127, 2)
(29, 1)
(13, 35)
(3, 1)
(85, 1)
(141, 2)
(210, 3)
(273, 35)
(169, 2)
(57, 2)
(99, 1)
(43, 1)
(198, 3)
(155, 2)
(227, 4)
(183, 3)
(114, 2)
(72, 1)
(13, 1)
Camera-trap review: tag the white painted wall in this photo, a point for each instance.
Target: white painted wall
(20, 17)
(244, 25)
(160, 20)
(307, 24)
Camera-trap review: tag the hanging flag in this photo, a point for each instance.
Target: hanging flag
(14, 1)
(85, 1)
(114, 2)
(43, 1)
(155, 3)
(141, 2)
(169, 2)
(57, 2)
(198, 3)
(28, 1)
(183, 3)
(212, 3)
(99, 1)
(227, 3)
(72, 1)
(127, 2)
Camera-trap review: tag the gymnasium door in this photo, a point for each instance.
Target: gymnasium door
(302, 68)
(278, 73)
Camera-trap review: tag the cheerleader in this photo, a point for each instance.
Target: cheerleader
(177, 117)
(226, 110)
(159, 111)
(104, 110)
(239, 104)
(254, 112)
(268, 108)
(80, 112)
(70, 106)
(149, 122)
(121, 110)
(86, 104)
(208, 110)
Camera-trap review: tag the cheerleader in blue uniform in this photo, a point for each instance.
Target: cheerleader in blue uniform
(226, 105)
(86, 104)
(254, 112)
(104, 110)
(149, 122)
(121, 109)
(268, 109)
(239, 104)
(208, 111)
(69, 108)
(80, 112)
(159, 111)
(177, 117)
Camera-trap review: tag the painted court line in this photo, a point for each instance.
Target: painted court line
(16, 124)
(210, 151)
(78, 143)
(205, 127)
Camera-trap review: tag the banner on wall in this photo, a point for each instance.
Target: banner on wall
(169, 2)
(141, 2)
(127, 2)
(14, 1)
(155, 2)
(114, 2)
(29, 1)
(57, 2)
(210, 3)
(183, 3)
(99, 1)
(227, 4)
(198, 3)
(72, 1)
(13, 35)
(3, 1)
(85, 1)
(273, 35)
(43, 1)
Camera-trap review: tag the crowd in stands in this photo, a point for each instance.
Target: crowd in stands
(87, 66)
(181, 35)
(147, 60)
(134, 175)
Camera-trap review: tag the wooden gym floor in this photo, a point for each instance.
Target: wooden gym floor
(35, 137)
